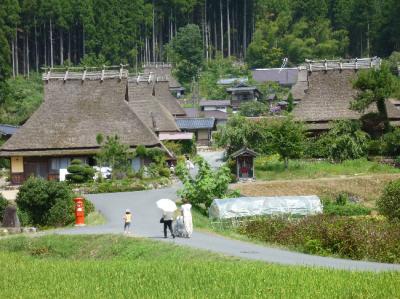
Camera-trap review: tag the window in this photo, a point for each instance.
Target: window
(60, 163)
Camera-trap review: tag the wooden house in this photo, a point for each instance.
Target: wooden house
(201, 127)
(242, 93)
(76, 108)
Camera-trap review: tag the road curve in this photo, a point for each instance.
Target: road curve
(146, 218)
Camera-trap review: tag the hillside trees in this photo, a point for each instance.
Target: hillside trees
(54, 32)
(375, 86)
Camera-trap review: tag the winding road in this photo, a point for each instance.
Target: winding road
(146, 224)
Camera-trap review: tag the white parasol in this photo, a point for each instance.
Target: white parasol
(166, 205)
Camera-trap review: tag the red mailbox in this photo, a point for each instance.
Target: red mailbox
(79, 211)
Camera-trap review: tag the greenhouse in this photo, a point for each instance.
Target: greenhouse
(263, 205)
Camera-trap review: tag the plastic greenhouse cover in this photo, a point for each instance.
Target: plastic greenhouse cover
(262, 205)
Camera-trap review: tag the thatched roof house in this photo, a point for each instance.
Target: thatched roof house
(164, 96)
(148, 108)
(73, 113)
(325, 95)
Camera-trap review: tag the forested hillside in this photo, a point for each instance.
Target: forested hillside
(56, 32)
(38, 33)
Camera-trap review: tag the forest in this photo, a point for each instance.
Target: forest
(37, 33)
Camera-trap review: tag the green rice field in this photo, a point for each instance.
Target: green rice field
(119, 267)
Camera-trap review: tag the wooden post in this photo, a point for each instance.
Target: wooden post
(237, 168)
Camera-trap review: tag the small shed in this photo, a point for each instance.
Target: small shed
(244, 163)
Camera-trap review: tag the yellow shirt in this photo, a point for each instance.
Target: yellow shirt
(128, 218)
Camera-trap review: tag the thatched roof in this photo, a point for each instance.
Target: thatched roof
(164, 96)
(149, 109)
(329, 95)
(163, 71)
(72, 115)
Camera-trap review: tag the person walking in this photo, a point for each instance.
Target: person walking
(187, 217)
(127, 221)
(167, 218)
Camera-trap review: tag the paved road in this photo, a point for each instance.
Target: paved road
(214, 158)
(146, 224)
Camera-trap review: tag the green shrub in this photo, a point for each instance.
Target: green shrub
(207, 185)
(24, 218)
(165, 172)
(79, 172)
(61, 213)
(36, 198)
(392, 142)
(348, 209)
(3, 206)
(342, 199)
(389, 203)
(375, 147)
(345, 141)
(349, 237)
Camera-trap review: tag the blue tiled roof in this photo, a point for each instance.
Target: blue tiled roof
(195, 123)
(8, 129)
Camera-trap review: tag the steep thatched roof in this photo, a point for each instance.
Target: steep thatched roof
(149, 109)
(164, 96)
(329, 95)
(72, 115)
(162, 71)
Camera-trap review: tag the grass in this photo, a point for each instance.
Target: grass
(95, 218)
(269, 168)
(117, 267)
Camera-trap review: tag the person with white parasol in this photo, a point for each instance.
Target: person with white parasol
(168, 208)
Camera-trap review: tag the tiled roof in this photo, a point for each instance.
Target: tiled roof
(286, 76)
(195, 123)
(8, 129)
(191, 112)
(215, 114)
(214, 103)
(229, 81)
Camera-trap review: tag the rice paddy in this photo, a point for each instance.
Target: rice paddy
(118, 267)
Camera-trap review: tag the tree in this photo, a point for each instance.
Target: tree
(79, 172)
(389, 203)
(288, 139)
(253, 108)
(345, 141)
(239, 132)
(115, 154)
(186, 53)
(207, 185)
(375, 86)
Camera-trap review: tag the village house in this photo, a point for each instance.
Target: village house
(215, 105)
(324, 92)
(200, 127)
(77, 107)
(242, 93)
